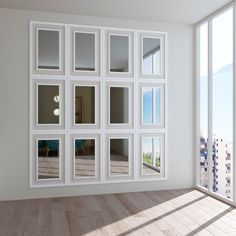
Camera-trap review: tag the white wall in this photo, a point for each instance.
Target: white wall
(14, 99)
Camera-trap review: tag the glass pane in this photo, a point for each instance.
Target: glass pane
(158, 105)
(84, 158)
(203, 96)
(151, 61)
(85, 51)
(119, 157)
(222, 103)
(48, 104)
(48, 159)
(119, 105)
(151, 155)
(147, 106)
(84, 105)
(119, 53)
(48, 49)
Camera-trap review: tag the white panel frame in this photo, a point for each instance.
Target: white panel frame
(35, 182)
(34, 107)
(130, 36)
(128, 125)
(162, 38)
(85, 179)
(96, 85)
(84, 30)
(34, 57)
(152, 86)
(130, 175)
(162, 174)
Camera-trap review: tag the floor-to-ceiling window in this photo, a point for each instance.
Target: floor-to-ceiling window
(215, 103)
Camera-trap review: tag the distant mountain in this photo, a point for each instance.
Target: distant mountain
(225, 69)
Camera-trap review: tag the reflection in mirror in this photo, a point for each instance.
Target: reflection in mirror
(48, 159)
(151, 105)
(158, 105)
(48, 49)
(84, 51)
(151, 61)
(119, 53)
(48, 104)
(119, 157)
(151, 155)
(147, 106)
(119, 105)
(84, 163)
(84, 105)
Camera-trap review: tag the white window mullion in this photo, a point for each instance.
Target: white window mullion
(233, 168)
(210, 82)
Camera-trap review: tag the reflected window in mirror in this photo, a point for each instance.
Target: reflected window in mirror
(48, 49)
(151, 105)
(84, 158)
(84, 52)
(48, 167)
(119, 105)
(151, 155)
(119, 157)
(48, 104)
(151, 56)
(119, 53)
(84, 105)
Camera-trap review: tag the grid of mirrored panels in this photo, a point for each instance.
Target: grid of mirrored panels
(87, 116)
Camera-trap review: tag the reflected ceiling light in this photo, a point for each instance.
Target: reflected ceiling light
(56, 98)
(56, 112)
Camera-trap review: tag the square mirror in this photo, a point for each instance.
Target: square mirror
(48, 50)
(119, 105)
(151, 105)
(84, 104)
(84, 158)
(119, 157)
(84, 52)
(48, 167)
(48, 104)
(119, 53)
(151, 56)
(151, 155)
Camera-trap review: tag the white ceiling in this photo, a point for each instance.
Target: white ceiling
(175, 11)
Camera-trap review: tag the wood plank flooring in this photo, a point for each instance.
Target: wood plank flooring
(173, 212)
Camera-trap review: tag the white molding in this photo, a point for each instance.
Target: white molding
(67, 79)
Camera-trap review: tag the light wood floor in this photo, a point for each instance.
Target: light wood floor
(177, 212)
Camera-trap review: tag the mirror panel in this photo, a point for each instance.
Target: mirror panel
(84, 51)
(151, 155)
(84, 112)
(48, 104)
(119, 105)
(48, 160)
(84, 158)
(119, 53)
(119, 157)
(48, 49)
(151, 56)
